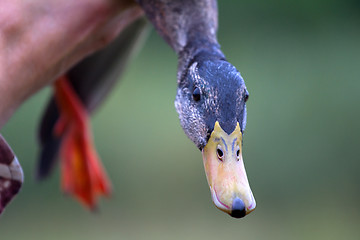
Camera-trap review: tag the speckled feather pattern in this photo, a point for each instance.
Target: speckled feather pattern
(189, 27)
(11, 174)
(222, 99)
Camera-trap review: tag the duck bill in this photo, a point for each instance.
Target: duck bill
(225, 172)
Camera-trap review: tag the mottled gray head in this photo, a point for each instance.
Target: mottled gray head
(210, 91)
(210, 101)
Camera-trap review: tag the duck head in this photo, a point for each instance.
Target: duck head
(211, 103)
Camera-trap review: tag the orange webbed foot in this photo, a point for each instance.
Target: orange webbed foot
(82, 173)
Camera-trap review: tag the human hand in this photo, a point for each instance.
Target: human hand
(40, 40)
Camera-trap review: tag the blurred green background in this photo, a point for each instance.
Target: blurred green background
(301, 64)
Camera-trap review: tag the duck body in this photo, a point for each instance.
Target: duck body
(210, 101)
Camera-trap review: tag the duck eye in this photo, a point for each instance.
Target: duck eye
(246, 97)
(196, 94)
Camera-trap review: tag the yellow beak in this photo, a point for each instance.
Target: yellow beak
(225, 172)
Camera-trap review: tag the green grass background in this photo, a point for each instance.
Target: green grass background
(301, 65)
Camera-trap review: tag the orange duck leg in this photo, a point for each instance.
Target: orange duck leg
(82, 173)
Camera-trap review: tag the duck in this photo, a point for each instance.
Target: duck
(210, 101)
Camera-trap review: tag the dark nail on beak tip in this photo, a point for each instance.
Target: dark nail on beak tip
(238, 208)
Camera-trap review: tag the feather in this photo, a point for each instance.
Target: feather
(92, 80)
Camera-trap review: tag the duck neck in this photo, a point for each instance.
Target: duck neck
(188, 26)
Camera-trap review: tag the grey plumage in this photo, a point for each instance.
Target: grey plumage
(223, 94)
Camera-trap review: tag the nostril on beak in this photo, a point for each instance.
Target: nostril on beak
(238, 208)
